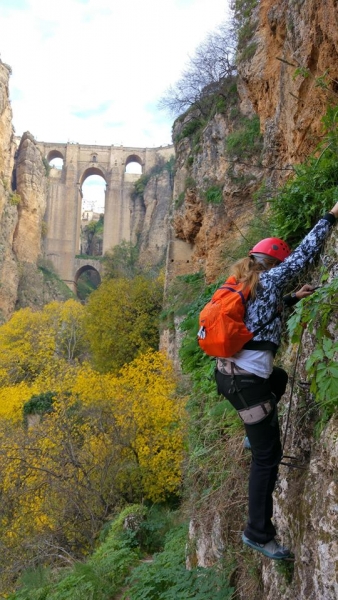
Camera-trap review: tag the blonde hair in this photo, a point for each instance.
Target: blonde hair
(247, 271)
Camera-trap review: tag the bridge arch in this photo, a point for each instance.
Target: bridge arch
(92, 171)
(134, 159)
(85, 268)
(55, 159)
(54, 154)
(93, 205)
(93, 280)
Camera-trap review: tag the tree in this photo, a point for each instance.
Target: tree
(122, 320)
(206, 75)
(32, 342)
(121, 261)
(152, 418)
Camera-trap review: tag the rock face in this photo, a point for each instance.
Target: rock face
(292, 74)
(200, 228)
(151, 229)
(31, 183)
(287, 82)
(8, 209)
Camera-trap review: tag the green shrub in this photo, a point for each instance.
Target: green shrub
(214, 195)
(44, 229)
(312, 190)
(89, 257)
(319, 312)
(221, 105)
(140, 185)
(191, 127)
(167, 578)
(182, 293)
(249, 51)
(14, 199)
(161, 165)
(47, 166)
(305, 197)
(85, 286)
(39, 404)
(190, 183)
(247, 140)
(179, 200)
(245, 25)
(99, 579)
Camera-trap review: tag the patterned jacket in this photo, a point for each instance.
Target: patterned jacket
(269, 298)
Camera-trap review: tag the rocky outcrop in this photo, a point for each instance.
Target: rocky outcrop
(203, 225)
(292, 75)
(153, 227)
(31, 189)
(9, 276)
(6, 128)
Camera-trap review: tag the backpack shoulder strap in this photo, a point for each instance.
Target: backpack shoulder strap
(275, 314)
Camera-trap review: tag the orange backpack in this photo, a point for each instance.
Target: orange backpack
(222, 331)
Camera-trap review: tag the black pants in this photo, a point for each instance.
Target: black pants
(265, 443)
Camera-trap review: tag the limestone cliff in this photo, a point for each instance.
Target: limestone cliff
(31, 187)
(305, 498)
(9, 276)
(292, 74)
(200, 228)
(150, 221)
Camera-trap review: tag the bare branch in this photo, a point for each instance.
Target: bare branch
(212, 63)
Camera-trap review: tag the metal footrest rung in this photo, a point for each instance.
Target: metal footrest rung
(294, 463)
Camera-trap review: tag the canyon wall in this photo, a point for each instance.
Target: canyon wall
(289, 80)
(287, 75)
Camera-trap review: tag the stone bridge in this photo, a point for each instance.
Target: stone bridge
(64, 202)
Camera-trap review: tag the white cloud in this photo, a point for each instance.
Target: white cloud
(93, 71)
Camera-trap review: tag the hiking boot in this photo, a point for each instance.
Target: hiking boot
(246, 443)
(271, 549)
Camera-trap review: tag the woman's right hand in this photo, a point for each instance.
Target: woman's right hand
(334, 210)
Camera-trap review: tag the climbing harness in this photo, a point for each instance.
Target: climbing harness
(250, 415)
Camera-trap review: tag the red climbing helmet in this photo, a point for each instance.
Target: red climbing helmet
(272, 247)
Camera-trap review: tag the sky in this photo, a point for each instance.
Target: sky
(93, 71)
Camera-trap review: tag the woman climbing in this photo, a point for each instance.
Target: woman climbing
(249, 380)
